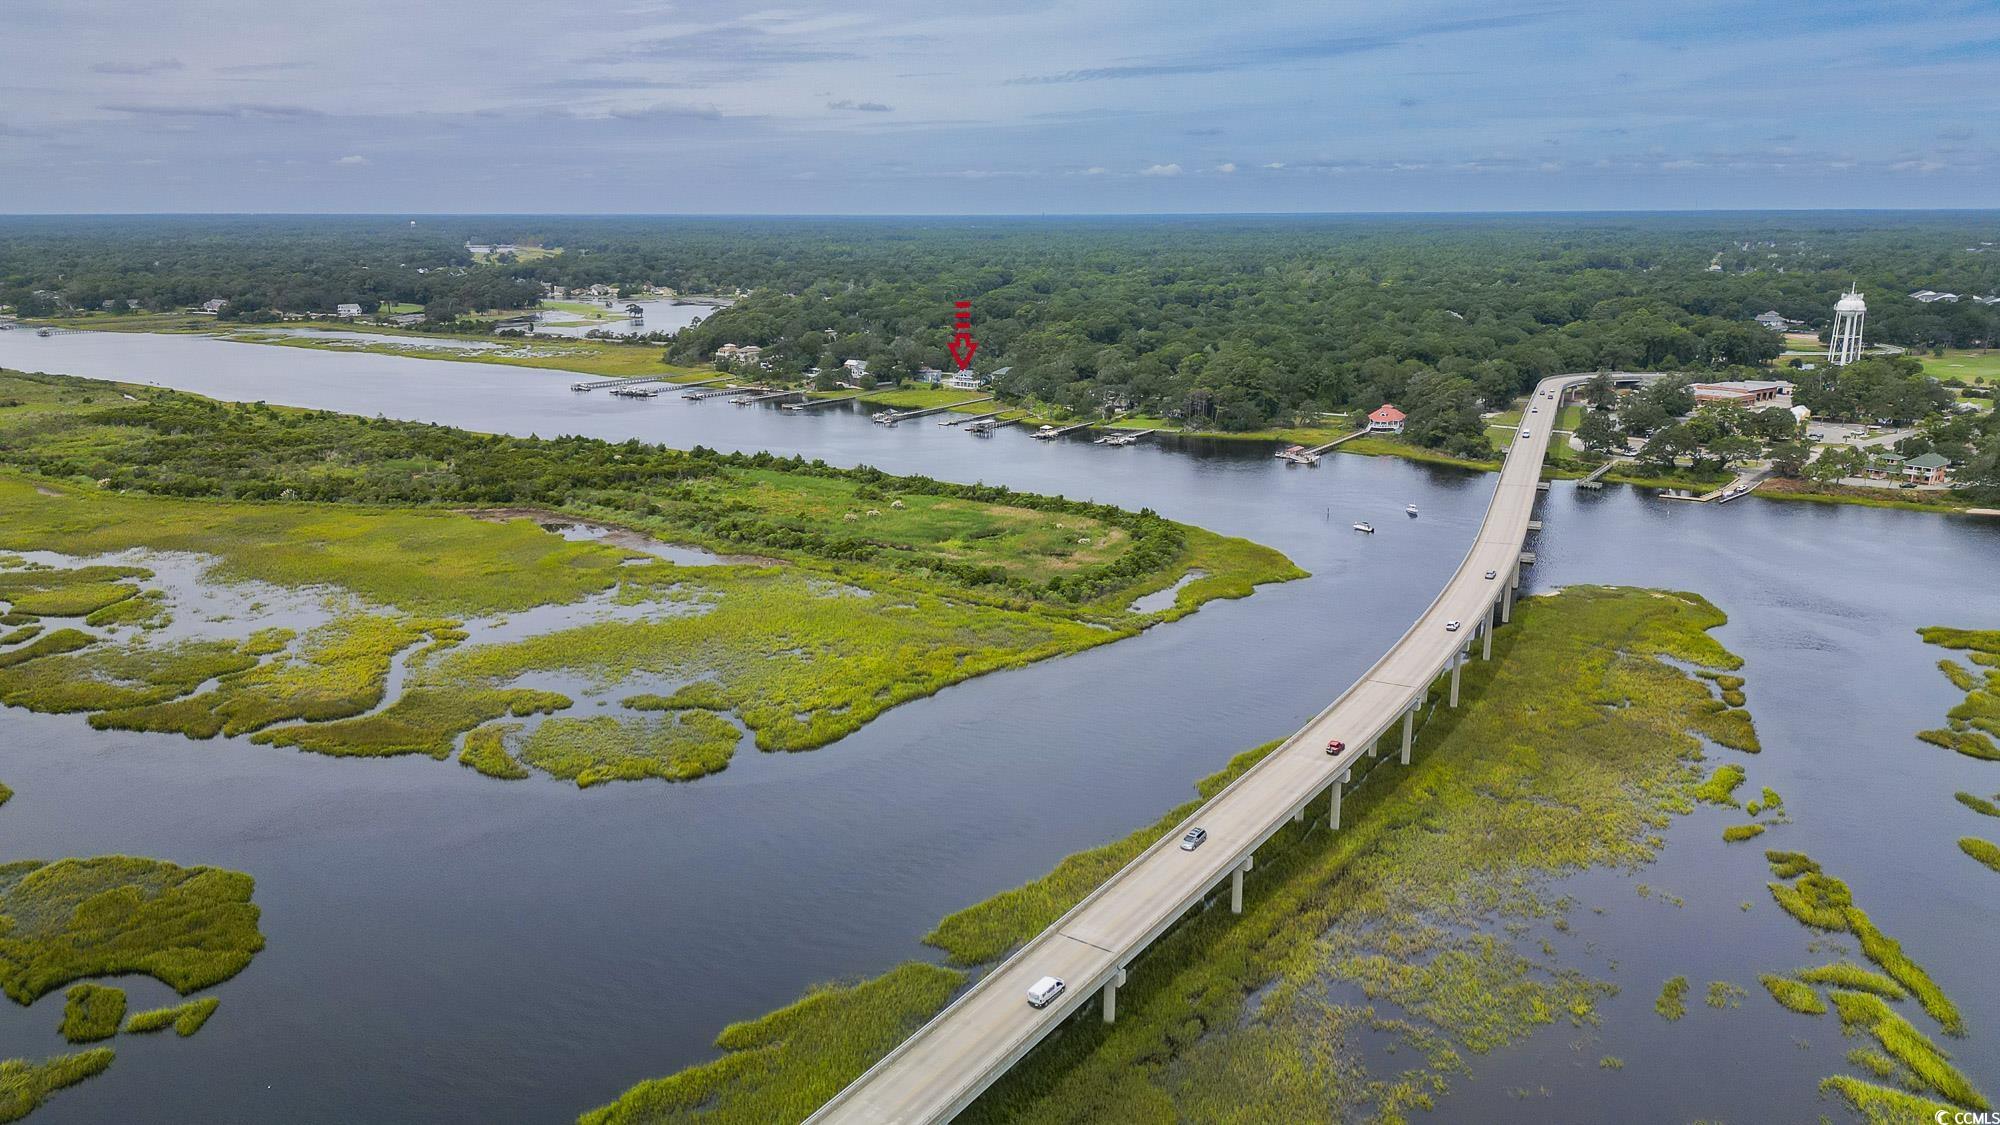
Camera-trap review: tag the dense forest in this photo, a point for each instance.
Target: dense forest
(1231, 322)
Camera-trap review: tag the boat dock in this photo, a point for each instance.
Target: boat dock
(1131, 438)
(989, 424)
(717, 392)
(810, 403)
(968, 418)
(766, 397)
(1047, 432)
(1595, 479)
(599, 384)
(636, 392)
(891, 417)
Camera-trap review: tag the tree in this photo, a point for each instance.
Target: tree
(1643, 416)
(1733, 449)
(1599, 433)
(1601, 392)
(1788, 458)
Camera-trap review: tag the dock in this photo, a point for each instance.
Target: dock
(891, 417)
(1120, 438)
(968, 418)
(810, 403)
(1594, 480)
(717, 392)
(636, 392)
(988, 424)
(765, 397)
(1048, 432)
(637, 380)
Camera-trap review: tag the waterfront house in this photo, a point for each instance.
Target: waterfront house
(347, 310)
(1385, 419)
(963, 381)
(213, 305)
(1929, 468)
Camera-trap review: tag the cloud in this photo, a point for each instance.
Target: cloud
(669, 111)
(352, 159)
(157, 66)
(860, 107)
(1225, 168)
(1096, 170)
(1275, 166)
(1291, 50)
(1161, 170)
(237, 109)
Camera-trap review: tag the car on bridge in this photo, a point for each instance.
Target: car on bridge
(1451, 626)
(1195, 838)
(1044, 992)
(1335, 746)
(1492, 574)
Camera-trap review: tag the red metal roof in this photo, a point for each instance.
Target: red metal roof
(1386, 413)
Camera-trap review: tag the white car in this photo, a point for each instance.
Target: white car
(1524, 431)
(1044, 992)
(1195, 838)
(1492, 574)
(1451, 626)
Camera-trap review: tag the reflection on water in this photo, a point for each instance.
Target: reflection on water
(448, 947)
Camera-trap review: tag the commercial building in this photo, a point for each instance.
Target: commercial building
(1741, 393)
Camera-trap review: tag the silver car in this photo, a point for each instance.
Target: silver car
(1451, 626)
(1195, 838)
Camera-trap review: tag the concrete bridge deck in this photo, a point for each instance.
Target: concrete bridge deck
(948, 1062)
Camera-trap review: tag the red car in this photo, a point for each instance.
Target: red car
(1335, 746)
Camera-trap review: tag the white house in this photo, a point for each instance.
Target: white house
(347, 310)
(856, 368)
(213, 305)
(963, 381)
(929, 376)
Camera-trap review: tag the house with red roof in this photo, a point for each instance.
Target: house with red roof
(1385, 419)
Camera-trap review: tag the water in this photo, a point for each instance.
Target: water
(444, 946)
(660, 316)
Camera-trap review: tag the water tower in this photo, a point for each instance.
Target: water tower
(1848, 314)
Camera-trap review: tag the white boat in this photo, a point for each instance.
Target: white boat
(1367, 527)
(1410, 508)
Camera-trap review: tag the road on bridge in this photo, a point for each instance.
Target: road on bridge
(940, 1069)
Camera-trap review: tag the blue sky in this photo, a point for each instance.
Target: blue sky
(1077, 106)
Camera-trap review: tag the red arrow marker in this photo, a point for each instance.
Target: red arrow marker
(962, 343)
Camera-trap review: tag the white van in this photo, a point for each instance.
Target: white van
(1045, 991)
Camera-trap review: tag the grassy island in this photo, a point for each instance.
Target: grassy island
(1577, 744)
(834, 595)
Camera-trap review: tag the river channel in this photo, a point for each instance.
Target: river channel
(447, 947)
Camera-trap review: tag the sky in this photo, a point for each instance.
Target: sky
(1078, 106)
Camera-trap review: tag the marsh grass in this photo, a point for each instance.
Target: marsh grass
(1725, 994)
(1672, 1000)
(113, 677)
(486, 751)
(1721, 786)
(1931, 1066)
(1982, 850)
(1853, 978)
(1883, 1105)
(188, 927)
(25, 1085)
(185, 1019)
(678, 746)
(1791, 994)
(1977, 803)
(1737, 833)
(92, 1012)
(782, 1066)
(1823, 902)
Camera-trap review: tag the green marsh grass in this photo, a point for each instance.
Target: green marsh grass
(1985, 851)
(1853, 978)
(1977, 803)
(1737, 833)
(188, 927)
(92, 1012)
(486, 751)
(1801, 998)
(1865, 1011)
(25, 1085)
(1672, 1000)
(1824, 902)
(1725, 994)
(185, 1019)
(1883, 1105)
(1721, 786)
(676, 747)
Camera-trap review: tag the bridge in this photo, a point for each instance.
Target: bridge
(949, 1061)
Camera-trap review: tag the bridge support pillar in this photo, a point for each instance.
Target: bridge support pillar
(1111, 996)
(1374, 744)
(1486, 635)
(1333, 809)
(1409, 728)
(1457, 660)
(1236, 886)
(1507, 602)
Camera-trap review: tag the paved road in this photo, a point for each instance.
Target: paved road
(949, 1061)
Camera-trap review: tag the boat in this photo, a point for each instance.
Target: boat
(1410, 508)
(1045, 433)
(44, 332)
(1367, 527)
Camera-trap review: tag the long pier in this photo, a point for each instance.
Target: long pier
(891, 417)
(967, 418)
(717, 392)
(1124, 437)
(988, 425)
(766, 397)
(1093, 948)
(1048, 432)
(811, 403)
(632, 381)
